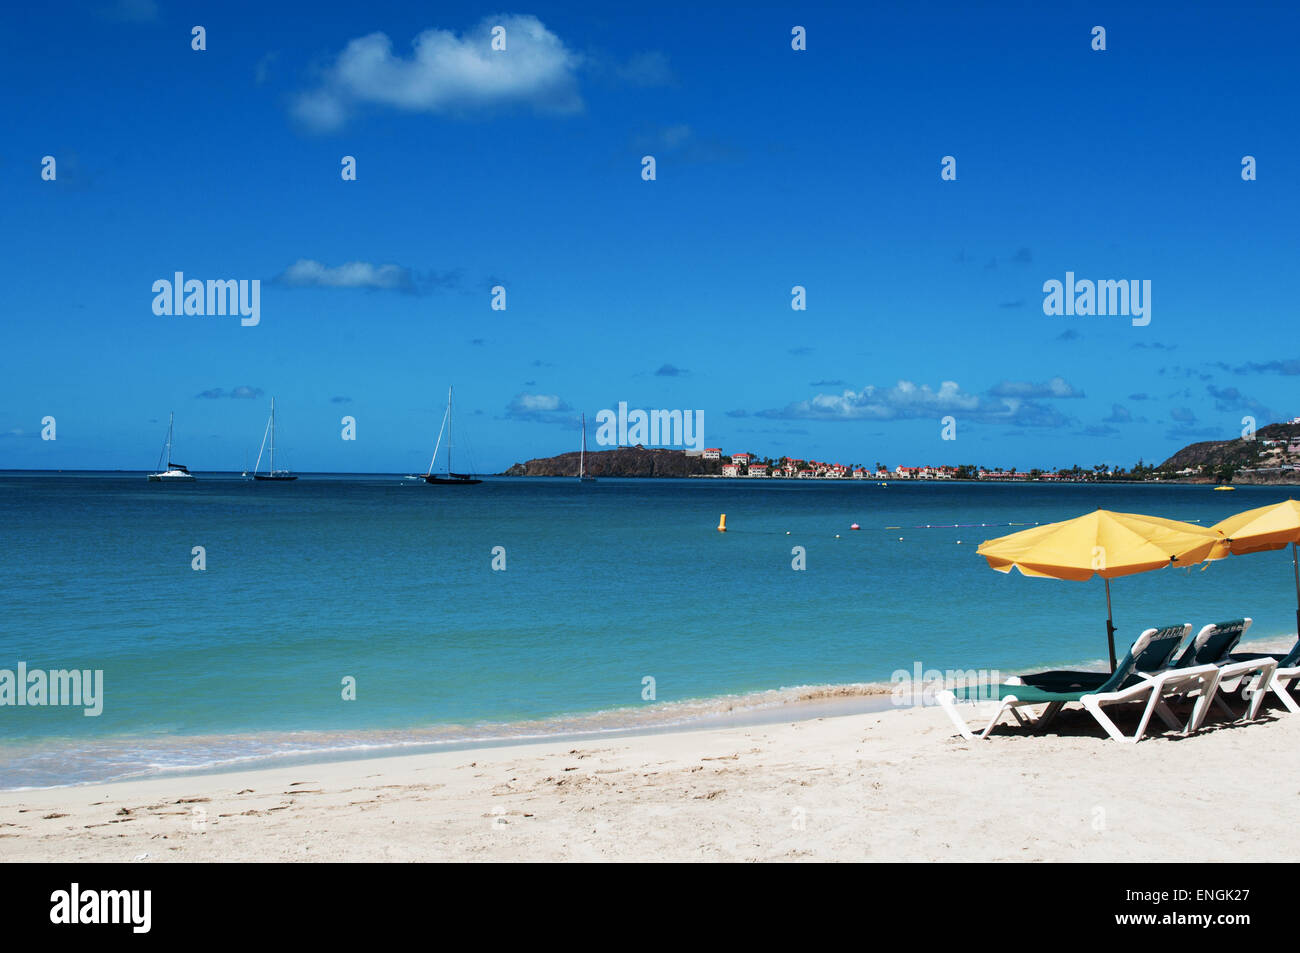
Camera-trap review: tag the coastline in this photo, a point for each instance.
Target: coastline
(234, 475)
(141, 760)
(888, 786)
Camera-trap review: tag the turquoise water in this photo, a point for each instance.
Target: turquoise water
(392, 583)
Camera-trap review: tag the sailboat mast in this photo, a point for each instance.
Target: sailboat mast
(266, 431)
(582, 454)
(452, 478)
(272, 436)
(171, 421)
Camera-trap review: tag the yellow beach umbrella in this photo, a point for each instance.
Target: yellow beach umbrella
(1267, 528)
(1107, 544)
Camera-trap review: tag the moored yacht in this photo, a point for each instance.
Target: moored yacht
(279, 476)
(449, 479)
(175, 472)
(583, 475)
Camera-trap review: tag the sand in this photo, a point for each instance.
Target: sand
(893, 786)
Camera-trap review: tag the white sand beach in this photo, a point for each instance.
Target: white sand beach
(893, 786)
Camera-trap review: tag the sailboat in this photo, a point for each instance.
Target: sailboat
(454, 479)
(279, 476)
(583, 475)
(175, 472)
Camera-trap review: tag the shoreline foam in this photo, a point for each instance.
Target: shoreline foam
(31, 766)
(886, 787)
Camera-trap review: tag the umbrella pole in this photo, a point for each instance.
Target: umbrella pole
(1110, 625)
(1295, 567)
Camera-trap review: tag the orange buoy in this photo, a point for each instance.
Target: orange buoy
(855, 526)
(722, 523)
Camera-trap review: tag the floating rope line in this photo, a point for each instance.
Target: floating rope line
(769, 532)
(914, 526)
(955, 525)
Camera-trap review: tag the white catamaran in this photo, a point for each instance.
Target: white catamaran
(175, 472)
(583, 475)
(451, 479)
(280, 476)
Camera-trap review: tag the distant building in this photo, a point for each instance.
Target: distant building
(859, 474)
(741, 458)
(730, 470)
(758, 469)
(712, 453)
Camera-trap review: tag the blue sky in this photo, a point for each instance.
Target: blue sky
(522, 168)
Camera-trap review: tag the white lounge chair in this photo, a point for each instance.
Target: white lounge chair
(1286, 674)
(1143, 676)
(1213, 645)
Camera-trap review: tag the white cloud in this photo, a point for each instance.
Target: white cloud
(242, 392)
(646, 69)
(307, 273)
(680, 140)
(905, 399)
(536, 402)
(539, 408)
(910, 401)
(262, 72)
(1056, 387)
(133, 11)
(447, 74)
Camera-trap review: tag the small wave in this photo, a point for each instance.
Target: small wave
(64, 763)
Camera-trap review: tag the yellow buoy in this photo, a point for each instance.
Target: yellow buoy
(722, 523)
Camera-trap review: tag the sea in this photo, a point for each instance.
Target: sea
(239, 624)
